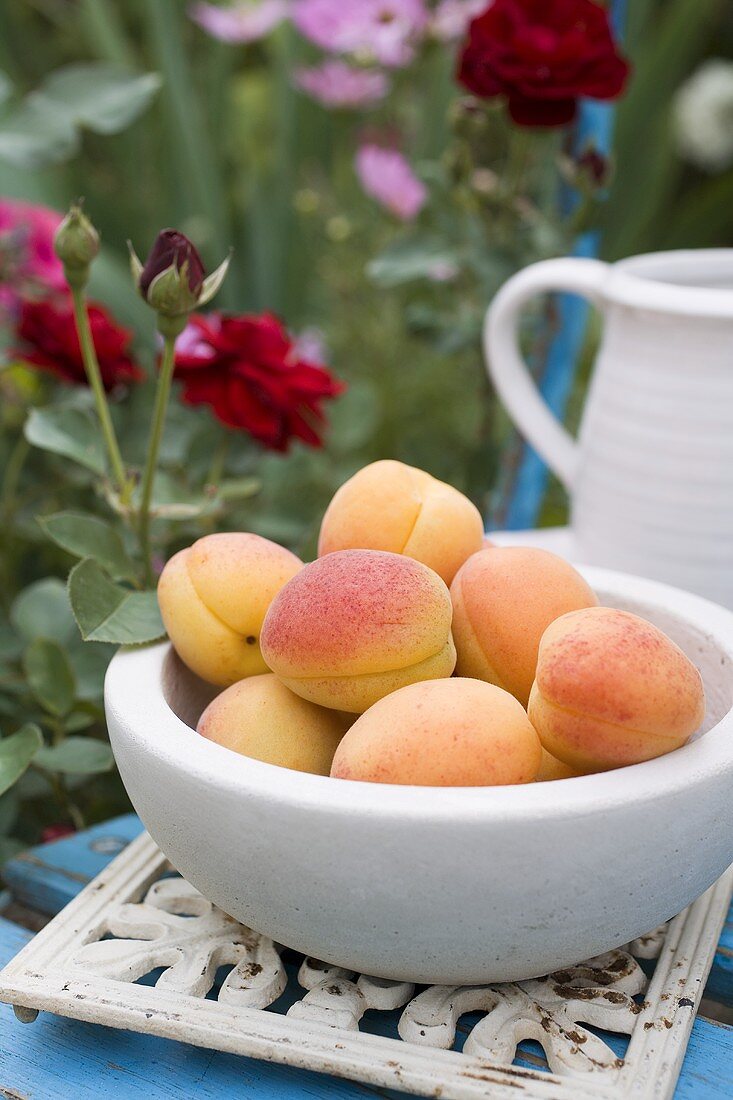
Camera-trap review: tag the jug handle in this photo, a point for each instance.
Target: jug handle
(507, 368)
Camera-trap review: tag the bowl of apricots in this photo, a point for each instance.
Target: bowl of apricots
(424, 757)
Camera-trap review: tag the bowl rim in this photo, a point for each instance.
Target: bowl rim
(138, 713)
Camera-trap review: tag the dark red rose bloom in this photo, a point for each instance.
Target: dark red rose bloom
(48, 339)
(250, 373)
(171, 249)
(543, 55)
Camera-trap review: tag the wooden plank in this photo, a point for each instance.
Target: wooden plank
(47, 877)
(720, 983)
(67, 1060)
(707, 1071)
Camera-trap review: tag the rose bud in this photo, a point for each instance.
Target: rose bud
(588, 171)
(173, 280)
(76, 243)
(172, 255)
(593, 168)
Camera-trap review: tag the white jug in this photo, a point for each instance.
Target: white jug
(651, 476)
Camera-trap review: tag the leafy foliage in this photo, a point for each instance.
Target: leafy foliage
(45, 127)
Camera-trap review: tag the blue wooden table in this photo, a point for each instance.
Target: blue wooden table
(60, 1059)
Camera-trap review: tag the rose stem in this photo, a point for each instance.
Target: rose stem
(94, 376)
(162, 393)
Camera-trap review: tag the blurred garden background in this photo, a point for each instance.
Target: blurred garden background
(376, 188)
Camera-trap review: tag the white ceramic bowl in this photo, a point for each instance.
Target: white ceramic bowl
(439, 885)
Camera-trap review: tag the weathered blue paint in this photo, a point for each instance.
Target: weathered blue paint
(720, 982)
(595, 124)
(47, 877)
(59, 1059)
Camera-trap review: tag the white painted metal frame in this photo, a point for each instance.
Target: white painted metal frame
(132, 919)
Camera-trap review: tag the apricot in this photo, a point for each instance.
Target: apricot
(213, 597)
(552, 768)
(394, 507)
(443, 733)
(261, 718)
(503, 599)
(611, 690)
(357, 624)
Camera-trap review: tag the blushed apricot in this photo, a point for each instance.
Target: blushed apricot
(503, 600)
(443, 733)
(612, 689)
(357, 624)
(390, 506)
(259, 717)
(213, 597)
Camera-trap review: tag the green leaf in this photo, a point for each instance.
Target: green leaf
(78, 720)
(76, 756)
(407, 260)
(10, 644)
(88, 537)
(33, 785)
(89, 661)
(9, 808)
(16, 753)
(36, 133)
(69, 432)
(103, 97)
(107, 612)
(239, 488)
(50, 676)
(42, 610)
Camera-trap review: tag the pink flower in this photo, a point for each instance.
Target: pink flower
(387, 177)
(245, 22)
(310, 344)
(28, 264)
(451, 17)
(385, 30)
(334, 83)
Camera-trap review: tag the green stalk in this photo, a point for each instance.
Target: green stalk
(192, 152)
(94, 376)
(11, 477)
(519, 148)
(162, 395)
(103, 29)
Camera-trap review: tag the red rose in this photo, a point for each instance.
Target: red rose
(250, 373)
(49, 341)
(542, 55)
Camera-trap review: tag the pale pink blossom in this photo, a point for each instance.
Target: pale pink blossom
(387, 177)
(451, 18)
(310, 344)
(244, 22)
(335, 83)
(28, 264)
(383, 30)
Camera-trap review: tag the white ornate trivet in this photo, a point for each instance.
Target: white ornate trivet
(140, 949)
